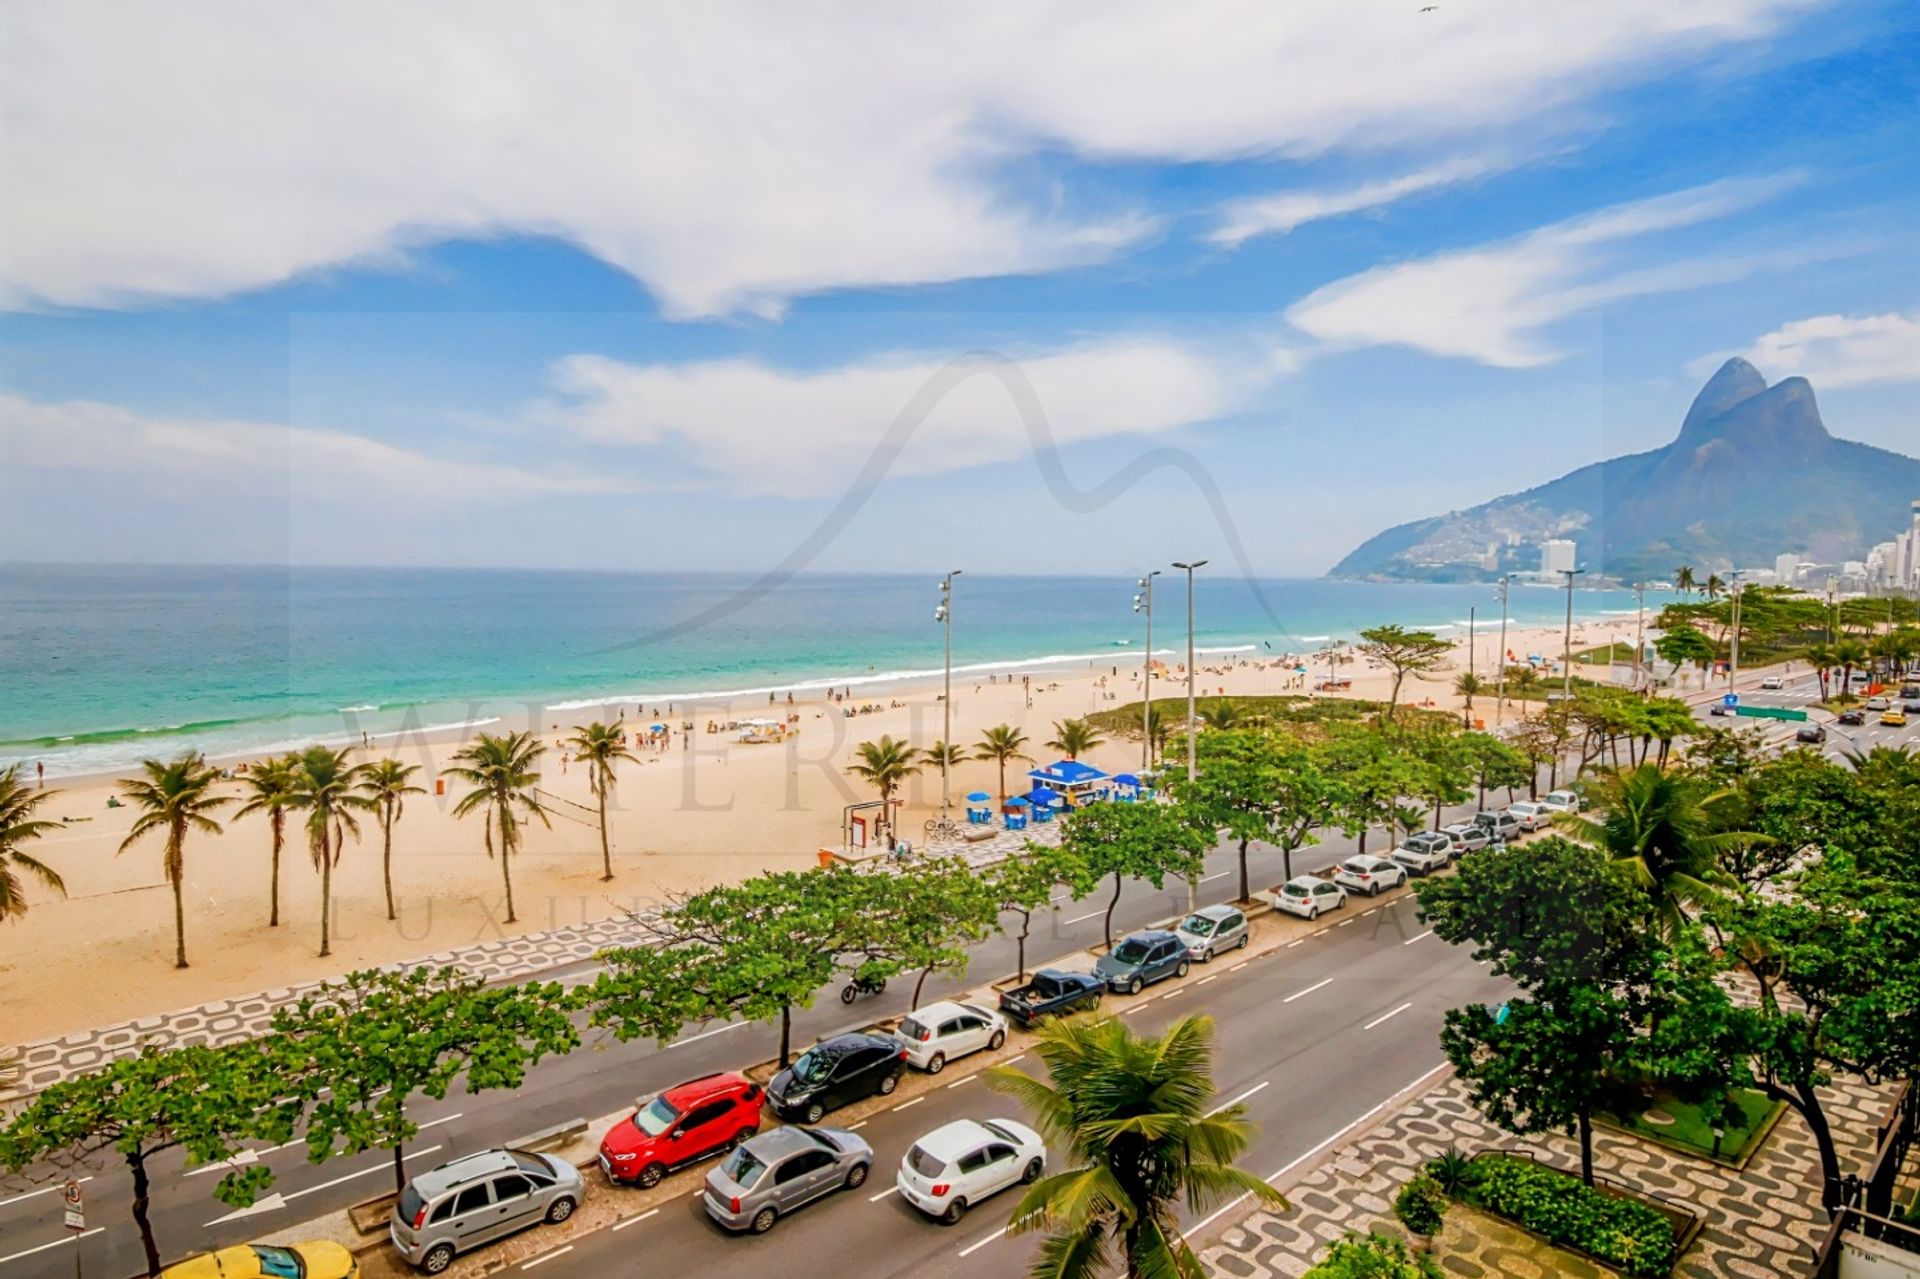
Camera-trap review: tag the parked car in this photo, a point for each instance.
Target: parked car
(1910, 690)
(1561, 801)
(1912, 707)
(781, 1170)
(1369, 874)
(1142, 959)
(837, 1072)
(1426, 852)
(1212, 930)
(1894, 718)
(1467, 837)
(1051, 993)
(683, 1125)
(1307, 896)
(1531, 814)
(1772, 684)
(957, 1165)
(1814, 733)
(1719, 709)
(1501, 826)
(477, 1199)
(322, 1259)
(1852, 718)
(937, 1033)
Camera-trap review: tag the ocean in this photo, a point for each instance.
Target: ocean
(101, 666)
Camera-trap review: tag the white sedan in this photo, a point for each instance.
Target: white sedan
(957, 1165)
(1531, 816)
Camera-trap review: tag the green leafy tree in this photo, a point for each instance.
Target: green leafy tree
(1494, 764)
(1577, 936)
(1260, 786)
(1134, 1115)
(326, 788)
(601, 746)
(1373, 773)
(1137, 841)
(1404, 652)
(1667, 831)
(388, 782)
(17, 826)
(269, 786)
(1074, 737)
(174, 799)
(204, 1101)
(1446, 769)
(1850, 653)
(925, 920)
(1685, 645)
(1024, 883)
(885, 764)
(504, 780)
(1224, 714)
(1421, 1206)
(1002, 744)
(358, 1051)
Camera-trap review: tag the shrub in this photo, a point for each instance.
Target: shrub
(1421, 1206)
(1619, 1232)
(1454, 1173)
(1372, 1257)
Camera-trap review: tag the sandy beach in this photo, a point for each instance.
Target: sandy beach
(707, 808)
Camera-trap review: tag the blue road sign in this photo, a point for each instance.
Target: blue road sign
(1731, 699)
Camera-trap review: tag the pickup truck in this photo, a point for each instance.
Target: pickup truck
(1051, 993)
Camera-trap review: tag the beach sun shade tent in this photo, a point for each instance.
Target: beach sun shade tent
(1125, 779)
(1041, 797)
(978, 797)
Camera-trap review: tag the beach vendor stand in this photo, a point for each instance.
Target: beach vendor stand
(1013, 813)
(1073, 782)
(1126, 787)
(979, 808)
(1044, 803)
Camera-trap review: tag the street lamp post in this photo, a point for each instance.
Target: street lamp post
(943, 614)
(1193, 734)
(1733, 665)
(1143, 604)
(1566, 651)
(1500, 658)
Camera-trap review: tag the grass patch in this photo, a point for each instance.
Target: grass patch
(1305, 717)
(1606, 655)
(1692, 1129)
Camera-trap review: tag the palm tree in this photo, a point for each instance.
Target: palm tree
(945, 756)
(500, 769)
(600, 747)
(1133, 1113)
(1683, 579)
(1714, 587)
(17, 826)
(885, 763)
(327, 788)
(1002, 744)
(1820, 657)
(1849, 653)
(1223, 714)
(1469, 686)
(174, 797)
(1074, 737)
(387, 782)
(1667, 830)
(269, 783)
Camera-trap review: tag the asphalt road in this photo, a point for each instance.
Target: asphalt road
(1802, 692)
(588, 1083)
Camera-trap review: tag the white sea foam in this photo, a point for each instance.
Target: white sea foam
(355, 710)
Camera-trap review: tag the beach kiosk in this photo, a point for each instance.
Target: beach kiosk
(1073, 782)
(980, 808)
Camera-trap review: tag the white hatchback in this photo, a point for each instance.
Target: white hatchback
(934, 1034)
(1306, 896)
(1561, 801)
(1211, 930)
(957, 1165)
(1369, 874)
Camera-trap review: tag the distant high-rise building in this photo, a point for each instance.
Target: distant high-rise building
(1556, 555)
(1786, 568)
(1906, 554)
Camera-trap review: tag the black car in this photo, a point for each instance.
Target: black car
(1911, 706)
(1852, 718)
(837, 1072)
(1720, 708)
(1811, 733)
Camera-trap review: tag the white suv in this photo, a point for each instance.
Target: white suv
(934, 1034)
(1368, 874)
(1306, 896)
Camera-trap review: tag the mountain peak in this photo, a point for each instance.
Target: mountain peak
(1736, 382)
(1736, 404)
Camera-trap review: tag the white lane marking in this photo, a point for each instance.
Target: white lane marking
(707, 1034)
(961, 1082)
(1422, 937)
(15, 1256)
(972, 1248)
(1242, 1097)
(1343, 923)
(1386, 1016)
(267, 1204)
(1237, 967)
(857, 1127)
(1298, 941)
(634, 1221)
(1195, 1229)
(1325, 981)
(541, 1261)
(1134, 1008)
(1365, 913)
(1210, 878)
(874, 1199)
(1176, 991)
(1081, 919)
(916, 1101)
(1009, 1061)
(44, 1190)
(1204, 980)
(244, 1157)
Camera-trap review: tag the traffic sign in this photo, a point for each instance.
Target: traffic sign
(1730, 700)
(76, 1209)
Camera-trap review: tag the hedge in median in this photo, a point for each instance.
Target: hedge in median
(1619, 1232)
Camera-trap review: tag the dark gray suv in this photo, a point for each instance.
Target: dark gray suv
(479, 1199)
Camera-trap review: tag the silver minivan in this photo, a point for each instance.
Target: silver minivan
(770, 1175)
(478, 1199)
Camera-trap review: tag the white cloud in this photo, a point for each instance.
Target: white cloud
(86, 436)
(1495, 303)
(1834, 350)
(730, 155)
(1278, 214)
(808, 434)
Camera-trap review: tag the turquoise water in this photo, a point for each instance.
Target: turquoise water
(103, 665)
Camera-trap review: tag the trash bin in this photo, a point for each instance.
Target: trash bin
(439, 785)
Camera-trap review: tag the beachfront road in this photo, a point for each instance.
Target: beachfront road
(1320, 1062)
(1801, 691)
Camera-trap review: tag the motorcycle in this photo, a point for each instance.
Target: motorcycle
(862, 986)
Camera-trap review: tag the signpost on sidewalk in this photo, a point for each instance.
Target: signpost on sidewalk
(76, 1218)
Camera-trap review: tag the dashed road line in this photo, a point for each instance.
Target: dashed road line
(15, 1256)
(707, 1034)
(1325, 981)
(890, 1190)
(961, 1082)
(636, 1220)
(911, 1102)
(44, 1190)
(541, 1261)
(1242, 1097)
(1237, 967)
(972, 1248)
(1386, 1016)
(1421, 937)
(1081, 919)
(1204, 980)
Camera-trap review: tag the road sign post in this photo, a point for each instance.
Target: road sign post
(76, 1218)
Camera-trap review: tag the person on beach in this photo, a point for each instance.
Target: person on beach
(40, 770)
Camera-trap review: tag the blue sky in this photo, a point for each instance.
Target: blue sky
(622, 287)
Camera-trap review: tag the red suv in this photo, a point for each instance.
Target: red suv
(685, 1123)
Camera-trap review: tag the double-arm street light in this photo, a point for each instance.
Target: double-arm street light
(1566, 652)
(944, 615)
(1143, 604)
(1193, 733)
